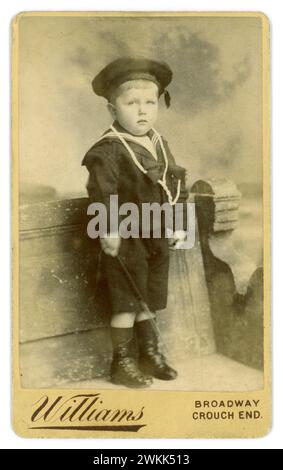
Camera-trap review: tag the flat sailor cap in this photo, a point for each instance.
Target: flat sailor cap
(128, 68)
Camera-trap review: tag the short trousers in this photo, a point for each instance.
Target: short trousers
(147, 261)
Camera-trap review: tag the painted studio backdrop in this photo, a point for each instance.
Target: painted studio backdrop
(214, 129)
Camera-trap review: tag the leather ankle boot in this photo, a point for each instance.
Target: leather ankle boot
(151, 361)
(124, 369)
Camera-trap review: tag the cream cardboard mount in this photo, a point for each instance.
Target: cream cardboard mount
(215, 329)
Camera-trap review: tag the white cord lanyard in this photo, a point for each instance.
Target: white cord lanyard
(162, 181)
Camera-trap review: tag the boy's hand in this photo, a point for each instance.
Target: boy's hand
(178, 238)
(110, 244)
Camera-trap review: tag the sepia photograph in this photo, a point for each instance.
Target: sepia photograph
(141, 185)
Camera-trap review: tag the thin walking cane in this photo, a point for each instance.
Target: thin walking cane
(142, 302)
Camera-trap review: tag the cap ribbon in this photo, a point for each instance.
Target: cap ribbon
(167, 98)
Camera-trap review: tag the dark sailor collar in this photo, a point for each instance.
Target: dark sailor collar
(151, 134)
(113, 132)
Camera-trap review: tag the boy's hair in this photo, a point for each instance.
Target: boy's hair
(139, 83)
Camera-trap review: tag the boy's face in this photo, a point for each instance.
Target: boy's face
(136, 109)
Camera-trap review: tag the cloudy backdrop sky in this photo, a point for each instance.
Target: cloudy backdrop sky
(214, 123)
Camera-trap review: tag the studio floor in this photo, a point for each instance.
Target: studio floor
(201, 373)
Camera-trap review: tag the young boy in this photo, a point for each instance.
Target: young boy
(132, 161)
